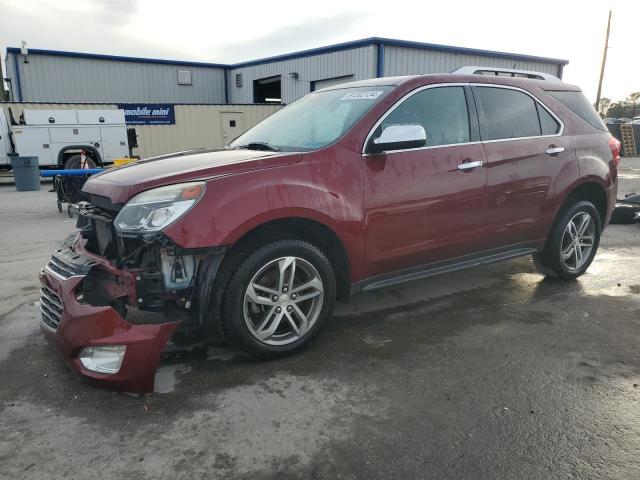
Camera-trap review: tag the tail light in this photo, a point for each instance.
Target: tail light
(615, 147)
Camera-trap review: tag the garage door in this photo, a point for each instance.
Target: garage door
(329, 82)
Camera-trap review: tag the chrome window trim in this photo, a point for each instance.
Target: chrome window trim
(535, 99)
(424, 148)
(459, 84)
(395, 105)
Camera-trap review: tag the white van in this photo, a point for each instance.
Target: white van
(64, 138)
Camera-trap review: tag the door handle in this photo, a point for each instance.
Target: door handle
(554, 150)
(463, 167)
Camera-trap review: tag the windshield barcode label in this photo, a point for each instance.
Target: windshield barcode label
(366, 95)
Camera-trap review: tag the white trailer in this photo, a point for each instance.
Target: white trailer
(63, 138)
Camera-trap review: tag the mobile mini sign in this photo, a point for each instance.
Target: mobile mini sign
(148, 113)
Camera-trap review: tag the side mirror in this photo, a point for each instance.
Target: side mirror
(399, 137)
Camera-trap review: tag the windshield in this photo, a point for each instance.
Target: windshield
(314, 121)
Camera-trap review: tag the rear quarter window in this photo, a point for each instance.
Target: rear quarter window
(578, 103)
(548, 124)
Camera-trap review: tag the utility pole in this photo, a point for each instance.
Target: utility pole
(604, 61)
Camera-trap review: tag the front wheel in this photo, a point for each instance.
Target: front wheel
(572, 243)
(278, 298)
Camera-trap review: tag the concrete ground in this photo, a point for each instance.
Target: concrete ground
(489, 373)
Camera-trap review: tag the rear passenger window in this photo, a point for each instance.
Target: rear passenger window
(548, 124)
(442, 111)
(506, 113)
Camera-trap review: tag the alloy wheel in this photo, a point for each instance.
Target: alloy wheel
(283, 300)
(578, 241)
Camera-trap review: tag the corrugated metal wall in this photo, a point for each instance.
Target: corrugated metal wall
(360, 62)
(197, 126)
(70, 79)
(411, 61)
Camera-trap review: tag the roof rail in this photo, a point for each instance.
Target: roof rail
(505, 72)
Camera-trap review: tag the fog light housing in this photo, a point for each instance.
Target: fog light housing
(103, 358)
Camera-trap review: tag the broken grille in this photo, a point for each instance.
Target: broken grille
(60, 268)
(50, 307)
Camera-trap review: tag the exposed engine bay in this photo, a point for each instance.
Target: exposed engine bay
(145, 277)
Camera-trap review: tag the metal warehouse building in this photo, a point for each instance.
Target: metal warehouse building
(55, 76)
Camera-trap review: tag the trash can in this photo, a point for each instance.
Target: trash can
(26, 173)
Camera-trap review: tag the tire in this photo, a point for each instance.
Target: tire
(266, 320)
(624, 213)
(560, 257)
(73, 162)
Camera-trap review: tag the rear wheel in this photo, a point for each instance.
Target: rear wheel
(572, 243)
(75, 162)
(278, 298)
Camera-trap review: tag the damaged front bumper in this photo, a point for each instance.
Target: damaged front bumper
(89, 302)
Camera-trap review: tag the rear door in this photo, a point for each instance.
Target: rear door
(420, 207)
(526, 149)
(232, 124)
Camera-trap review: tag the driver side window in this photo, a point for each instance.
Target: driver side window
(442, 111)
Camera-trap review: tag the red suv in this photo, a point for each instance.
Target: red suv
(348, 189)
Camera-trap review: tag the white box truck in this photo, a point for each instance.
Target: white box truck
(63, 138)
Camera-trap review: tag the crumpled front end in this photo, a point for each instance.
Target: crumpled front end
(112, 305)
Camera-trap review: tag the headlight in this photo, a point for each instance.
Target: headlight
(154, 209)
(103, 359)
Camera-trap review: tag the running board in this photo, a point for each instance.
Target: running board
(446, 266)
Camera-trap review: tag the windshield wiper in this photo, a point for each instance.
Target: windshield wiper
(259, 146)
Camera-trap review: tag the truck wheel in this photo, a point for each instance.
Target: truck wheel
(74, 162)
(572, 243)
(278, 299)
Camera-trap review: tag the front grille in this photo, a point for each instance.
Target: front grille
(60, 268)
(50, 307)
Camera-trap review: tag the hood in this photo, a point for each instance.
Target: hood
(120, 184)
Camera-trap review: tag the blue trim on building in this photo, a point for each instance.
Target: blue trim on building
(18, 83)
(380, 61)
(226, 86)
(116, 58)
(304, 53)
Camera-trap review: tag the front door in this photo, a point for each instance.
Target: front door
(526, 150)
(423, 205)
(232, 126)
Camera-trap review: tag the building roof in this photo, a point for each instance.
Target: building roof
(116, 58)
(302, 53)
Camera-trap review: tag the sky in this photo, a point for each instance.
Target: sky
(230, 32)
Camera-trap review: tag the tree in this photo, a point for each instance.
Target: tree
(634, 100)
(605, 103)
(627, 108)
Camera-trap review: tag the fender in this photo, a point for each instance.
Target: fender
(575, 185)
(234, 205)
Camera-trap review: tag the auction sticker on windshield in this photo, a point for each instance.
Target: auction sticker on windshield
(366, 95)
